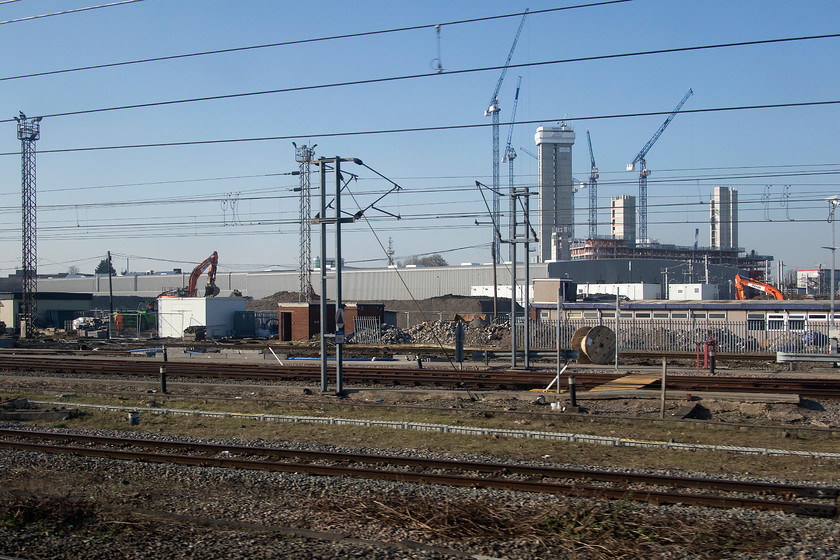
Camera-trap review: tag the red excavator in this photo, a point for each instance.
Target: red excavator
(209, 264)
(757, 285)
(210, 290)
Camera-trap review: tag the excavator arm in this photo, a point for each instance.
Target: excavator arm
(757, 285)
(209, 264)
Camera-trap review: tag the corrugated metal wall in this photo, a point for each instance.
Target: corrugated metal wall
(358, 285)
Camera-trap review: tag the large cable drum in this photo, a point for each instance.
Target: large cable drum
(596, 345)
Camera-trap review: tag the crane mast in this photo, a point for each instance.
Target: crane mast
(510, 155)
(593, 190)
(493, 112)
(643, 171)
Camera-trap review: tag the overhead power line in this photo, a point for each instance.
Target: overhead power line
(429, 75)
(300, 41)
(426, 128)
(65, 12)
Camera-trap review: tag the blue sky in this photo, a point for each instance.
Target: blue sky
(167, 207)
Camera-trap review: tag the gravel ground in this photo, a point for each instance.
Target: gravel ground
(84, 508)
(100, 508)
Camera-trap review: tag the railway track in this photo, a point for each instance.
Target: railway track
(402, 376)
(796, 499)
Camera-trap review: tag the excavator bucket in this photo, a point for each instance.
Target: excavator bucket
(211, 290)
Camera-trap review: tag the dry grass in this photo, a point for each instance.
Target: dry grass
(575, 529)
(46, 513)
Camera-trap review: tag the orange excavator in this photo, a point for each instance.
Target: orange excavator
(209, 264)
(757, 285)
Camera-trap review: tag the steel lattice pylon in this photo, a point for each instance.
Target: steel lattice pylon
(303, 155)
(28, 132)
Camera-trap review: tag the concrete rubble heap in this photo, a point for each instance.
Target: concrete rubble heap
(477, 332)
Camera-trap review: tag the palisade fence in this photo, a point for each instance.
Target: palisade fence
(367, 330)
(683, 335)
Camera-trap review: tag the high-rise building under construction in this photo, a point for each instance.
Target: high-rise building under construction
(723, 218)
(556, 209)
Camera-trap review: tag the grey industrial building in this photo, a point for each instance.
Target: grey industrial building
(407, 283)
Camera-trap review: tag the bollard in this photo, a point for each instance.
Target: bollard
(163, 379)
(712, 345)
(163, 373)
(459, 342)
(572, 391)
(697, 346)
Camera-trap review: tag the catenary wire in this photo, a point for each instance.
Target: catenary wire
(73, 11)
(429, 128)
(431, 74)
(301, 41)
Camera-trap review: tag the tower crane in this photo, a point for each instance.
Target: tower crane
(593, 190)
(510, 155)
(644, 172)
(493, 111)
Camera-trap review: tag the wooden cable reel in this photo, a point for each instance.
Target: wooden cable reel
(596, 345)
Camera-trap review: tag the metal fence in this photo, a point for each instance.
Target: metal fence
(366, 330)
(683, 335)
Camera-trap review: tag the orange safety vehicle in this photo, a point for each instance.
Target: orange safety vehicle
(740, 283)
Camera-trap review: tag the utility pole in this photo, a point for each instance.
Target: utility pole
(28, 132)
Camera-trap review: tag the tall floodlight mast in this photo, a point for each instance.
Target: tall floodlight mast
(28, 132)
(304, 155)
(493, 111)
(510, 155)
(593, 191)
(643, 171)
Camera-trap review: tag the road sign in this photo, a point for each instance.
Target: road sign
(339, 336)
(339, 319)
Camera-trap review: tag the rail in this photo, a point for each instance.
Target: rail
(525, 478)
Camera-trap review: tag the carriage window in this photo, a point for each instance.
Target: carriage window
(755, 321)
(660, 315)
(590, 314)
(796, 322)
(641, 315)
(679, 315)
(776, 322)
(717, 315)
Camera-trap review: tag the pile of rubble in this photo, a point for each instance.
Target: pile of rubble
(477, 332)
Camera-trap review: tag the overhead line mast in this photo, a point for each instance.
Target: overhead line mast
(493, 111)
(304, 156)
(643, 171)
(28, 132)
